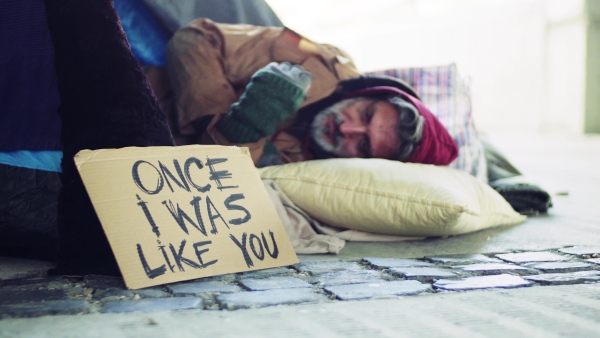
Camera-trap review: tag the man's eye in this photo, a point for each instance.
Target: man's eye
(368, 113)
(365, 147)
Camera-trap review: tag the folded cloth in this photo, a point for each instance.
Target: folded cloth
(299, 225)
(309, 236)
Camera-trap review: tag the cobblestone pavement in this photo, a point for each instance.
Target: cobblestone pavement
(306, 282)
(538, 279)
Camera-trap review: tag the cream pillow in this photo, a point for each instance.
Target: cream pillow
(390, 197)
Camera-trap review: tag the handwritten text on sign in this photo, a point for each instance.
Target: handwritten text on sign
(178, 213)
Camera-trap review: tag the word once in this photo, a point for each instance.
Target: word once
(184, 175)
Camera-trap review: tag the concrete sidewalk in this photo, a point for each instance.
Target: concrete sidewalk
(538, 278)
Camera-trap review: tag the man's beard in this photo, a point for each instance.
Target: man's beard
(327, 142)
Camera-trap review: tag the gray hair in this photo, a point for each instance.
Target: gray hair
(409, 128)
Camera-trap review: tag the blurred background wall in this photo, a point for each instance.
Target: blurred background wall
(533, 65)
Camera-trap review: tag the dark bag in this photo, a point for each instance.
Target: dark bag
(28, 208)
(506, 180)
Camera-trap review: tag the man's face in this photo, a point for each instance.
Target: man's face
(360, 127)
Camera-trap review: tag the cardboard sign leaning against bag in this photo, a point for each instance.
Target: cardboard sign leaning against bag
(178, 213)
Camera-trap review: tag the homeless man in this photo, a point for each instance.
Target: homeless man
(226, 90)
(233, 84)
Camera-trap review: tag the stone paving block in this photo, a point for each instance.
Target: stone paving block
(200, 286)
(594, 260)
(371, 290)
(566, 278)
(53, 307)
(558, 266)
(426, 272)
(349, 277)
(150, 293)
(463, 259)
(227, 278)
(104, 282)
(153, 305)
(395, 262)
(493, 268)
(581, 250)
(267, 273)
(232, 301)
(113, 294)
(526, 257)
(261, 284)
(482, 282)
(316, 268)
(28, 296)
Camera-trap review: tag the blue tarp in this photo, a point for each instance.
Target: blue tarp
(147, 38)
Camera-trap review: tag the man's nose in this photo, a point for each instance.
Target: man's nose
(348, 128)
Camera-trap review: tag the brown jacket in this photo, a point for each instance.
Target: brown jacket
(210, 64)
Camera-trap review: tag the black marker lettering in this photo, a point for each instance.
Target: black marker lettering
(186, 170)
(151, 273)
(230, 206)
(275, 252)
(153, 225)
(180, 216)
(218, 175)
(136, 178)
(212, 216)
(166, 173)
(200, 252)
(261, 254)
(242, 247)
(180, 259)
(196, 203)
(166, 257)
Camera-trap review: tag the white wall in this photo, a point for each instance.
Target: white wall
(526, 59)
(592, 111)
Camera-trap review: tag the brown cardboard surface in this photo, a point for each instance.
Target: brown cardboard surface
(180, 213)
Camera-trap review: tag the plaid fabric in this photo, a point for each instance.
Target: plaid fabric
(448, 98)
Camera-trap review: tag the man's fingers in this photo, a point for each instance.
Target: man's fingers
(296, 70)
(294, 73)
(305, 76)
(285, 66)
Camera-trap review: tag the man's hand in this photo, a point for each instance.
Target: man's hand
(274, 93)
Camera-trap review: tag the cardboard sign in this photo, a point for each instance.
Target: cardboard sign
(179, 213)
